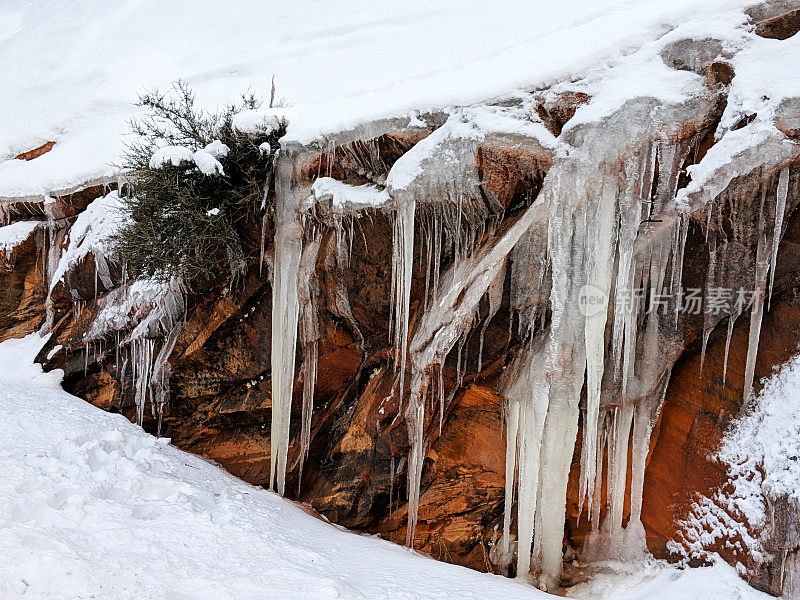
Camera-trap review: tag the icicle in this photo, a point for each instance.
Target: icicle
(309, 338)
(285, 311)
(512, 427)
(645, 416)
(529, 389)
(731, 321)
(495, 296)
(780, 208)
(711, 281)
(415, 418)
(600, 446)
(264, 212)
(402, 267)
(757, 306)
(678, 249)
(600, 247)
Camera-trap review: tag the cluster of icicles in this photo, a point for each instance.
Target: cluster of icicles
(153, 311)
(606, 240)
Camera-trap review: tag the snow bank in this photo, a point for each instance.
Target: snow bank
(69, 78)
(657, 580)
(91, 506)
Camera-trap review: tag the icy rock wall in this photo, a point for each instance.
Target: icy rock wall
(611, 218)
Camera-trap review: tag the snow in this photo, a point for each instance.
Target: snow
(91, 506)
(204, 159)
(217, 149)
(348, 197)
(766, 73)
(768, 438)
(91, 234)
(259, 120)
(171, 155)
(655, 580)
(207, 163)
(762, 452)
(336, 64)
(13, 235)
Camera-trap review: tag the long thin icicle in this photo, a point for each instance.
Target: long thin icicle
(309, 337)
(757, 306)
(780, 208)
(402, 268)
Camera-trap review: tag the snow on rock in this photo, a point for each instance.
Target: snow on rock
(767, 439)
(766, 76)
(171, 155)
(335, 64)
(766, 73)
(91, 506)
(762, 451)
(347, 197)
(141, 306)
(92, 233)
(13, 235)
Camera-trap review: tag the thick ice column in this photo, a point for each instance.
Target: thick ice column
(285, 310)
(530, 389)
(600, 248)
(565, 368)
(644, 419)
(415, 418)
(512, 410)
(617, 475)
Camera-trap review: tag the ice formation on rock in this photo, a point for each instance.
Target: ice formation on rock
(594, 262)
(151, 315)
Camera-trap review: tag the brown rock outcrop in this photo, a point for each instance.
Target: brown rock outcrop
(356, 470)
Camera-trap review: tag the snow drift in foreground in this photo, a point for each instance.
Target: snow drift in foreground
(72, 70)
(93, 507)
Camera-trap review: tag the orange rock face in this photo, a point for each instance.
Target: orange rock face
(355, 473)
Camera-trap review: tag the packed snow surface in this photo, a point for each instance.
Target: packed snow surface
(93, 507)
(72, 71)
(655, 580)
